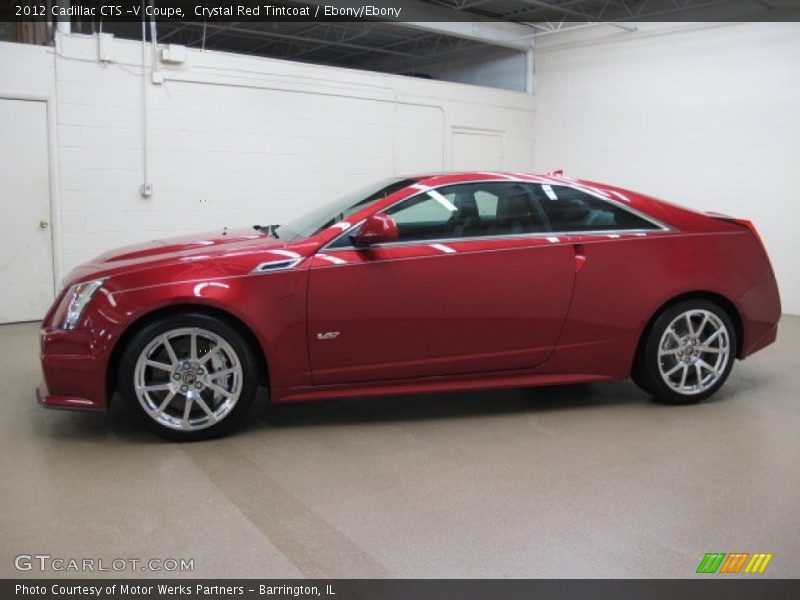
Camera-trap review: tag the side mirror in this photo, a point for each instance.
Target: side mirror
(377, 229)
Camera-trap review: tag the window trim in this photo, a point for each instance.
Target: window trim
(659, 226)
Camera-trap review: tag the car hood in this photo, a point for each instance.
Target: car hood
(186, 244)
(155, 253)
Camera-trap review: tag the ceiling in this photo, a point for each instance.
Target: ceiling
(399, 48)
(384, 46)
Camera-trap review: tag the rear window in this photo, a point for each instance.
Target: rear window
(569, 209)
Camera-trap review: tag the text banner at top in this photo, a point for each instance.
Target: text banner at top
(211, 11)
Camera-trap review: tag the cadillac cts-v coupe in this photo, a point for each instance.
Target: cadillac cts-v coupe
(422, 284)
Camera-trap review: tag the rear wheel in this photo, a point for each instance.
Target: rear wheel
(688, 353)
(188, 377)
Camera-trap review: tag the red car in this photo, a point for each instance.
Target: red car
(425, 284)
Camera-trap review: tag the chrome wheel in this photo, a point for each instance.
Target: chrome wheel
(188, 379)
(694, 351)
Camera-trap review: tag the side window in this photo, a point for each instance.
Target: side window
(427, 216)
(469, 210)
(569, 209)
(487, 204)
(466, 210)
(430, 208)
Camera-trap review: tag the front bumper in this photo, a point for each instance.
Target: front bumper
(74, 368)
(48, 400)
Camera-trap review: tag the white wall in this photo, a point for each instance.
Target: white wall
(706, 115)
(27, 70)
(235, 140)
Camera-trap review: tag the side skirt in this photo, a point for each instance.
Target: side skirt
(431, 385)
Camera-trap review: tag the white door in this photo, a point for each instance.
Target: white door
(477, 151)
(26, 247)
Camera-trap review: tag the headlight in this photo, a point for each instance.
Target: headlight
(76, 299)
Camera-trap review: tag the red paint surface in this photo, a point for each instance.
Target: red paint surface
(453, 315)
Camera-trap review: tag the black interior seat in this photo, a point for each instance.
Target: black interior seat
(569, 214)
(515, 215)
(466, 221)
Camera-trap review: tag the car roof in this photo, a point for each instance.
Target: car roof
(439, 178)
(552, 177)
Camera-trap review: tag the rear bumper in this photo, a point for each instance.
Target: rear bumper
(760, 309)
(765, 340)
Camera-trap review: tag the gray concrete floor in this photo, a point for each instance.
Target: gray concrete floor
(580, 481)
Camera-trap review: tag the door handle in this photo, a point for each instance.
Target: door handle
(44, 224)
(580, 257)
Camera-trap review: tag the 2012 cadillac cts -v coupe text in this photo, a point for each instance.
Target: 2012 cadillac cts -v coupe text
(431, 283)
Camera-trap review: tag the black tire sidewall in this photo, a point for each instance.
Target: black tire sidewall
(648, 376)
(153, 329)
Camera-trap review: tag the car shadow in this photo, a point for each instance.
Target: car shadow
(452, 405)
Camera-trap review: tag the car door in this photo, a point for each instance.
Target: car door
(615, 251)
(473, 285)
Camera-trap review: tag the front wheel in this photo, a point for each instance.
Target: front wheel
(188, 377)
(688, 353)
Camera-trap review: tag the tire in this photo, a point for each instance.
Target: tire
(687, 354)
(188, 377)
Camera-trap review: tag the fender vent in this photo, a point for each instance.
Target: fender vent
(277, 265)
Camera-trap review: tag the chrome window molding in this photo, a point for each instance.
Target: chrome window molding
(475, 238)
(659, 226)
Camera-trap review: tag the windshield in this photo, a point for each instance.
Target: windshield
(320, 218)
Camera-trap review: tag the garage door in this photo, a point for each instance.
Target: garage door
(26, 252)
